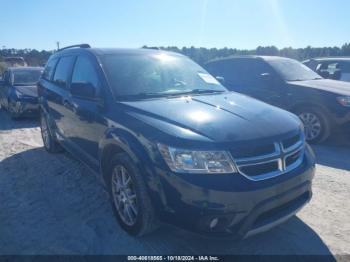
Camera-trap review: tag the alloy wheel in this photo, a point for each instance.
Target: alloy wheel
(124, 196)
(312, 125)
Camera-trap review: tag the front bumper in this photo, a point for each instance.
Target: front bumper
(226, 205)
(27, 107)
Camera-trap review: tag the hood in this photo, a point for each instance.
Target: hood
(220, 118)
(334, 86)
(27, 90)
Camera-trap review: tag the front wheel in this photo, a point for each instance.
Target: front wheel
(131, 202)
(50, 143)
(316, 123)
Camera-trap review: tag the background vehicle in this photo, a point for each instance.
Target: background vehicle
(337, 68)
(172, 143)
(15, 61)
(286, 83)
(18, 90)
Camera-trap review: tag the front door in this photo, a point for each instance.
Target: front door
(86, 128)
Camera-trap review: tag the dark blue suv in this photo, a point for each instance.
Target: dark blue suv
(172, 144)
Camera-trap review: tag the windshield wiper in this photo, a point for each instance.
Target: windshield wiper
(199, 91)
(166, 94)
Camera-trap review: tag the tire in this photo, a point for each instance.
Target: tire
(316, 123)
(50, 142)
(135, 194)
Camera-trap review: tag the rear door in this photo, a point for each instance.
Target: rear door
(57, 94)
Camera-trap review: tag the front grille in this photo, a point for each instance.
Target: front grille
(285, 156)
(289, 142)
(244, 151)
(258, 169)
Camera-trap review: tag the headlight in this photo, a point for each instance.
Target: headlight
(189, 161)
(344, 100)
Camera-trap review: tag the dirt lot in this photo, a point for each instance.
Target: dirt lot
(51, 204)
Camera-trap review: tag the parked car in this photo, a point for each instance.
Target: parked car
(15, 61)
(320, 103)
(18, 91)
(337, 68)
(172, 144)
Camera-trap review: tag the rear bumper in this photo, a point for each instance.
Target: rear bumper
(249, 208)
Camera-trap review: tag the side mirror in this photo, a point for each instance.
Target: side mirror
(83, 90)
(221, 79)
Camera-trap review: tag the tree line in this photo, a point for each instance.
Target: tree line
(201, 55)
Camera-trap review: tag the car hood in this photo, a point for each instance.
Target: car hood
(334, 86)
(31, 90)
(220, 118)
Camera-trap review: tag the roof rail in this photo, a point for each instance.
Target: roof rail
(73, 46)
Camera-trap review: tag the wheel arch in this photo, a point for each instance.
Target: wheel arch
(121, 141)
(303, 104)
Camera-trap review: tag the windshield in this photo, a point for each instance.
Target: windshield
(160, 74)
(292, 70)
(26, 77)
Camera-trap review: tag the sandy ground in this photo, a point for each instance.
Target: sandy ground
(51, 204)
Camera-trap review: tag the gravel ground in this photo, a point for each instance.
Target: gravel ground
(52, 204)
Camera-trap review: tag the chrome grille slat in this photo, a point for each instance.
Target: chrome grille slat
(280, 157)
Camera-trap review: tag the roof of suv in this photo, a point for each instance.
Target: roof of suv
(112, 51)
(330, 59)
(247, 57)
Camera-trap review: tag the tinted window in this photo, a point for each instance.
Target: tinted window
(63, 70)
(242, 72)
(224, 69)
(343, 66)
(292, 70)
(26, 77)
(84, 72)
(157, 75)
(49, 69)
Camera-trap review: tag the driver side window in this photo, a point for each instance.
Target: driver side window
(84, 72)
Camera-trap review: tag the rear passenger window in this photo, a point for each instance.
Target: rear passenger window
(63, 70)
(49, 69)
(84, 72)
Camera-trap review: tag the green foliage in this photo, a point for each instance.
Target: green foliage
(202, 55)
(31, 56)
